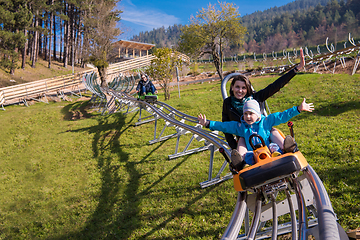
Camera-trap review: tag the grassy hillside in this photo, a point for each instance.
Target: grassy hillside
(97, 177)
(41, 71)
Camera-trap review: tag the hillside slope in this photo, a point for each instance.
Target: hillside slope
(41, 71)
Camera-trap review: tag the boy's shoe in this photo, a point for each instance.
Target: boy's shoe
(275, 154)
(236, 159)
(246, 165)
(290, 145)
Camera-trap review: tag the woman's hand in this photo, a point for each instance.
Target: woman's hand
(309, 107)
(302, 60)
(202, 119)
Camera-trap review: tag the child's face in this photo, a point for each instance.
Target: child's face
(250, 117)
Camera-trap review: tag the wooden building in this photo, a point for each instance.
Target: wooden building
(124, 50)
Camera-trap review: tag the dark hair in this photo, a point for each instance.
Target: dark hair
(144, 74)
(247, 82)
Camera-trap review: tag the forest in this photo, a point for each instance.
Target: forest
(70, 31)
(79, 28)
(299, 23)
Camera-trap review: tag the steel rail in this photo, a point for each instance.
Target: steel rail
(214, 140)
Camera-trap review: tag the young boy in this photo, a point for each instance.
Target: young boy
(253, 122)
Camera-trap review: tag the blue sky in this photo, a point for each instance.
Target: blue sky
(145, 15)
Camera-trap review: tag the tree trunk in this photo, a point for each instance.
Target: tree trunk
(72, 37)
(216, 59)
(45, 42)
(102, 75)
(23, 52)
(54, 32)
(61, 56)
(50, 37)
(221, 59)
(12, 70)
(66, 43)
(78, 46)
(166, 91)
(41, 37)
(66, 39)
(31, 43)
(217, 63)
(34, 43)
(78, 38)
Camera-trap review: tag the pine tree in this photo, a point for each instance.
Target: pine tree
(15, 17)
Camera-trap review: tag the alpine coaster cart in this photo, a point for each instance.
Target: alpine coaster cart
(277, 186)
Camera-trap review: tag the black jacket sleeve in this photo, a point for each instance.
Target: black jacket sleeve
(138, 86)
(274, 87)
(225, 118)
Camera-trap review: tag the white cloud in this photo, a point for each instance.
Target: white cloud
(149, 18)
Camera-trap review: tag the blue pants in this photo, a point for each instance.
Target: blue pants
(143, 90)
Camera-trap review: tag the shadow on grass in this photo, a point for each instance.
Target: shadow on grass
(335, 109)
(106, 137)
(77, 110)
(348, 175)
(346, 178)
(115, 218)
(178, 213)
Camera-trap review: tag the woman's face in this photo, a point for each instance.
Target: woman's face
(143, 77)
(239, 89)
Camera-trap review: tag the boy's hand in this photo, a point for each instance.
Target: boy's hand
(202, 119)
(309, 107)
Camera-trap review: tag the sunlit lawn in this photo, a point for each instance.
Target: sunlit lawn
(98, 178)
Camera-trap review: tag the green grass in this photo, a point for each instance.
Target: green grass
(98, 178)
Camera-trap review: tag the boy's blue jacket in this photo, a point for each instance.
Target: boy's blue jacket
(261, 127)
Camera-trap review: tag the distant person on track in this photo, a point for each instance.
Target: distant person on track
(254, 122)
(240, 92)
(145, 86)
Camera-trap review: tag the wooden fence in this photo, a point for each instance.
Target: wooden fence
(137, 63)
(73, 83)
(39, 90)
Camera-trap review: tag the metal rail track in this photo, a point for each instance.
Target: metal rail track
(299, 196)
(301, 191)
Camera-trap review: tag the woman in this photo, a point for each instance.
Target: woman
(240, 92)
(145, 86)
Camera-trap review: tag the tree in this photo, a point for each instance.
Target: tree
(100, 29)
(14, 17)
(37, 7)
(50, 29)
(211, 31)
(163, 68)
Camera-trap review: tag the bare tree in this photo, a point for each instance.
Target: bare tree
(163, 68)
(100, 29)
(212, 30)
